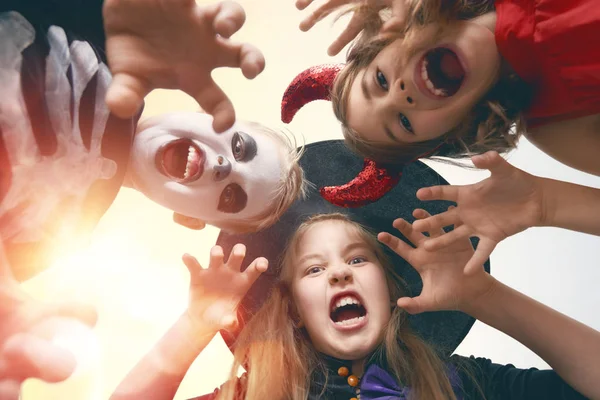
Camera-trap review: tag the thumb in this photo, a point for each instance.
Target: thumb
(126, 94)
(491, 161)
(411, 305)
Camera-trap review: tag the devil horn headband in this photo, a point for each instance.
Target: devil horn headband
(375, 179)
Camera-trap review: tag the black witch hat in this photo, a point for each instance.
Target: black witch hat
(342, 182)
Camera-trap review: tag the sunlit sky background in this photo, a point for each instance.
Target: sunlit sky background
(132, 270)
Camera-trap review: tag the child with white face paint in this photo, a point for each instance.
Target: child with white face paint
(335, 326)
(68, 142)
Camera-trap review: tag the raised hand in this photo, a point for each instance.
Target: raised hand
(357, 22)
(506, 203)
(216, 292)
(26, 347)
(175, 45)
(445, 287)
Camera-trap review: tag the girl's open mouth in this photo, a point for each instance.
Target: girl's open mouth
(347, 310)
(440, 72)
(181, 160)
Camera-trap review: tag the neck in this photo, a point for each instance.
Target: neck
(358, 367)
(487, 20)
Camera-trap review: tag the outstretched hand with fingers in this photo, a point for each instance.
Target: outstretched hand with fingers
(445, 287)
(506, 203)
(216, 292)
(357, 22)
(174, 45)
(27, 327)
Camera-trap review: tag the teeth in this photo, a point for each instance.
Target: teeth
(350, 321)
(428, 83)
(193, 157)
(343, 301)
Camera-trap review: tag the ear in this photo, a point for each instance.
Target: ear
(189, 222)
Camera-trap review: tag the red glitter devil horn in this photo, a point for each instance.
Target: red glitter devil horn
(311, 84)
(375, 180)
(370, 185)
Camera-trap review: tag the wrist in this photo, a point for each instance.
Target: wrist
(491, 291)
(197, 331)
(547, 201)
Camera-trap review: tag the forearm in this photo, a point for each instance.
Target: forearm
(159, 374)
(571, 348)
(570, 206)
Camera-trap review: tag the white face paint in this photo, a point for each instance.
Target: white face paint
(179, 162)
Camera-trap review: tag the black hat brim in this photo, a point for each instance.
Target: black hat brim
(329, 163)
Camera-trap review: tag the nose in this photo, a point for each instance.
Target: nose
(403, 93)
(340, 275)
(221, 169)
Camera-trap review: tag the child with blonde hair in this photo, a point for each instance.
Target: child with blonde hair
(329, 315)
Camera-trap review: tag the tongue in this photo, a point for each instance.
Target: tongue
(451, 67)
(344, 315)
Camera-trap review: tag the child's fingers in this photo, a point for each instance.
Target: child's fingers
(216, 257)
(254, 270)
(214, 101)
(395, 244)
(318, 14)
(193, 267)
(482, 253)
(442, 192)
(411, 305)
(421, 214)
(407, 230)
(236, 257)
(32, 357)
(126, 94)
(437, 221)
(302, 4)
(228, 18)
(447, 239)
(354, 27)
(493, 162)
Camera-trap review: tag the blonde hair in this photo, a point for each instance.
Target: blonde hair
(280, 359)
(291, 187)
(494, 123)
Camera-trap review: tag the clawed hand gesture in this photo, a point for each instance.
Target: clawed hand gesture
(357, 22)
(445, 287)
(175, 45)
(506, 203)
(215, 292)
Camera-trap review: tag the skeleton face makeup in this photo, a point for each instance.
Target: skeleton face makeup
(179, 162)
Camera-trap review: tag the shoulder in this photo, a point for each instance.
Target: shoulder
(482, 378)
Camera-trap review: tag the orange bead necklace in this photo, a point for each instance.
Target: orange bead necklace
(353, 381)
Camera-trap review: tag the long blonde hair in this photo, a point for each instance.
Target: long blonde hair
(489, 125)
(280, 359)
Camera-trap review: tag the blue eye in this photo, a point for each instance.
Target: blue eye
(314, 270)
(381, 81)
(357, 260)
(405, 123)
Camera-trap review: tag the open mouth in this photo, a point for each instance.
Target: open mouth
(347, 310)
(181, 160)
(441, 73)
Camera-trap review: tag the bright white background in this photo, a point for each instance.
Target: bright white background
(132, 270)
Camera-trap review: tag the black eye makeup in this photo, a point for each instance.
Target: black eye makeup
(405, 123)
(233, 199)
(243, 147)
